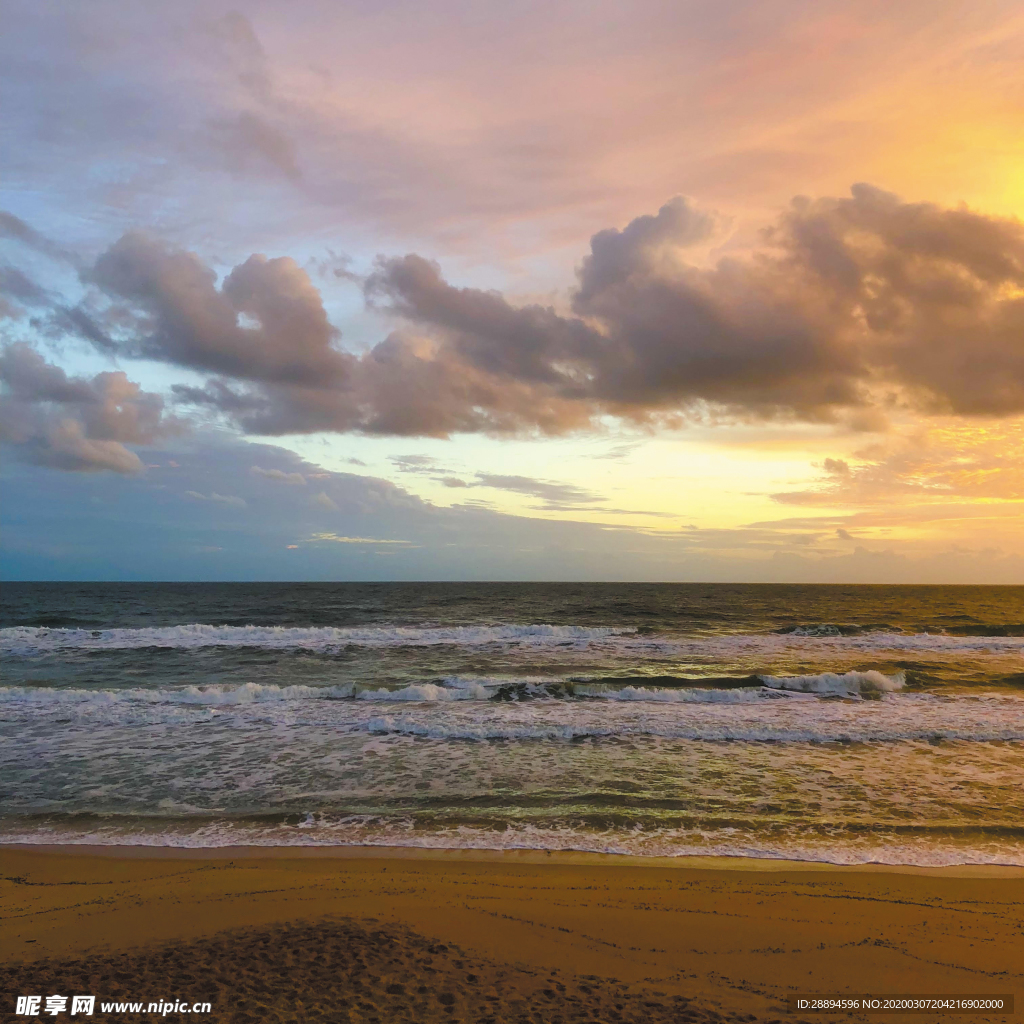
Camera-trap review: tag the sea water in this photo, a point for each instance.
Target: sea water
(834, 723)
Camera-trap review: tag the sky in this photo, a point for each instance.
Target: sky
(693, 291)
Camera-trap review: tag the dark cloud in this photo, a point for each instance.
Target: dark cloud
(50, 316)
(932, 296)
(615, 255)
(852, 304)
(75, 423)
(16, 230)
(17, 285)
(266, 322)
(557, 494)
(849, 295)
(652, 335)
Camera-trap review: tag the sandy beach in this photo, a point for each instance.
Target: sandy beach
(390, 934)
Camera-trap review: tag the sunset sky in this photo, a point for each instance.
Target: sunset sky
(654, 291)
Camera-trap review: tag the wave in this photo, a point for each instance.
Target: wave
(946, 848)
(245, 693)
(452, 689)
(686, 695)
(827, 629)
(707, 729)
(429, 692)
(29, 640)
(821, 629)
(460, 688)
(1007, 629)
(670, 681)
(759, 715)
(847, 684)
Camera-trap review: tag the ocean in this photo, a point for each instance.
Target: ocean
(846, 724)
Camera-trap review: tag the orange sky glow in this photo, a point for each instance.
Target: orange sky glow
(739, 284)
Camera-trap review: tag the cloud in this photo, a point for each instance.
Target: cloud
(217, 499)
(187, 320)
(414, 463)
(17, 230)
(550, 490)
(249, 139)
(14, 284)
(933, 296)
(76, 423)
(937, 464)
(565, 506)
(618, 452)
(546, 489)
(568, 127)
(323, 501)
(847, 296)
(851, 305)
(334, 538)
(280, 534)
(296, 479)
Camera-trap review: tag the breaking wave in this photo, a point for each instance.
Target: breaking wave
(27, 640)
(246, 693)
(847, 684)
(715, 723)
(939, 848)
(461, 688)
(762, 714)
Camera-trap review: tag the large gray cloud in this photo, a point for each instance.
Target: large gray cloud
(847, 297)
(75, 423)
(188, 320)
(933, 296)
(851, 304)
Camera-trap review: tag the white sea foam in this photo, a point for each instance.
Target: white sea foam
(246, 693)
(892, 719)
(27, 640)
(651, 842)
(440, 712)
(452, 688)
(849, 683)
(823, 629)
(682, 695)
(428, 692)
(35, 640)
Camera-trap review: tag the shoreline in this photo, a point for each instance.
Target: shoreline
(524, 856)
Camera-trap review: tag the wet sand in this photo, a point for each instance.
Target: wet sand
(394, 935)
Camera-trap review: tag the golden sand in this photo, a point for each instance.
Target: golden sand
(389, 935)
